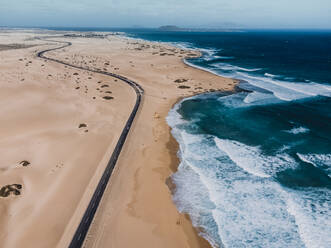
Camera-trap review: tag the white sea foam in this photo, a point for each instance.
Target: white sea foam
(288, 91)
(192, 184)
(244, 160)
(182, 45)
(210, 54)
(252, 160)
(209, 51)
(311, 210)
(298, 130)
(258, 97)
(283, 90)
(229, 67)
(213, 190)
(253, 214)
(228, 193)
(316, 158)
(247, 69)
(322, 161)
(269, 75)
(174, 118)
(193, 197)
(234, 101)
(244, 99)
(213, 71)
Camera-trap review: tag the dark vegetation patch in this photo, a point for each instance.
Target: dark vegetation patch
(9, 189)
(183, 87)
(24, 163)
(82, 125)
(108, 97)
(180, 80)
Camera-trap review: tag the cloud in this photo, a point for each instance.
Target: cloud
(253, 13)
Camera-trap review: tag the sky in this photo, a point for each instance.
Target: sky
(152, 13)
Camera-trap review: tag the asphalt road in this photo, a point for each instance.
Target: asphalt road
(86, 221)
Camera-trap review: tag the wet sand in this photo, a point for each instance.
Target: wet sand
(42, 107)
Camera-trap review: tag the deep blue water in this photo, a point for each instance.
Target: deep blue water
(298, 55)
(255, 166)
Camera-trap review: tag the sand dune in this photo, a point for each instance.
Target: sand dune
(63, 123)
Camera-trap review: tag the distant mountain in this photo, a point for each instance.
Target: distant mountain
(171, 28)
(176, 28)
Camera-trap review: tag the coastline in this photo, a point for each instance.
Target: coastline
(137, 198)
(193, 239)
(173, 148)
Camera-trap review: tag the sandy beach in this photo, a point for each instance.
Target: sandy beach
(60, 126)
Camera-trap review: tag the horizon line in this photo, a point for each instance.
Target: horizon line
(156, 28)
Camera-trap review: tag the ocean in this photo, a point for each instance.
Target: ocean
(256, 164)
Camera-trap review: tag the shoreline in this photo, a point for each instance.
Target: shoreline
(191, 232)
(173, 145)
(173, 148)
(137, 198)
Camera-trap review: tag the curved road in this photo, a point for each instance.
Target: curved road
(85, 223)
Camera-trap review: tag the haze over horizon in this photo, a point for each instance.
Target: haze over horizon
(149, 13)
